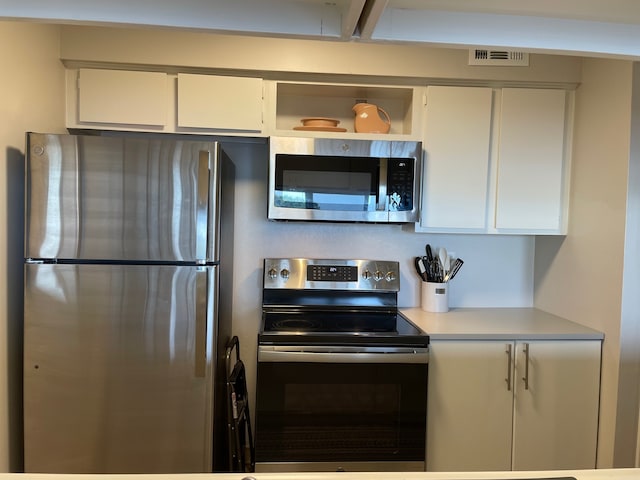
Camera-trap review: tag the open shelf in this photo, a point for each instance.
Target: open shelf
(297, 100)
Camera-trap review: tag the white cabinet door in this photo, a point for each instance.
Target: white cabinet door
(492, 406)
(530, 183)
(496, 160)
(469, 423)
(456, 169)
(556, 411)
(219, 102)
(122, 97)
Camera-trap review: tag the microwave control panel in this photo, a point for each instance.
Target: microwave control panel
(400, 179)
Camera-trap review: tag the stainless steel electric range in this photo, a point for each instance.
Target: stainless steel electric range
(342, 375)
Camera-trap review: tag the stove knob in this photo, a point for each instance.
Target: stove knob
(378, 276)
(284, 273)
(391, 276)
(273, 273)
(366, 274)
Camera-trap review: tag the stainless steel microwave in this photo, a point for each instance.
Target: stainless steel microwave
(321, 179)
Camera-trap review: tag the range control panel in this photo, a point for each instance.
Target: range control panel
(327, 274)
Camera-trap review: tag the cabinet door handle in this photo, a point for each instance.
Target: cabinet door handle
(525, 350)
(509, 357)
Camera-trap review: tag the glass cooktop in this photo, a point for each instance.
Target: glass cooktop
(340, 328)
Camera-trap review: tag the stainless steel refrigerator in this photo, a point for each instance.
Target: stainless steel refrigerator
(128, 276)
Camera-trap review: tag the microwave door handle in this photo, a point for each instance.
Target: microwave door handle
(382, 186)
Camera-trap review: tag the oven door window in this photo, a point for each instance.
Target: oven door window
(308, 412)
(326, 183)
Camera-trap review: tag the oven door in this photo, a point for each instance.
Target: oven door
(311, 187)
(341, 408)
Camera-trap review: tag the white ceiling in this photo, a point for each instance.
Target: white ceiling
(582, 27)
(579, 27)
(616, 11)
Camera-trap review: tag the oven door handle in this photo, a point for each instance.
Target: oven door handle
(316, 354)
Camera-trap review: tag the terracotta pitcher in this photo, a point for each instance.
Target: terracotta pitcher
(369, 120)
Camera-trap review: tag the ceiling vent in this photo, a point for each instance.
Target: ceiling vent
(507, 58)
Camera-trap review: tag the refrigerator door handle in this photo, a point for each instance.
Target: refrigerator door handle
(214, 204)
(202, 207)
(201, 323)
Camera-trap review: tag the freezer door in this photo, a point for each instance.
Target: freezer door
(118, 368)
(121, 198)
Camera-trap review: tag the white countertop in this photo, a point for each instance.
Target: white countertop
(604, 474)
(498, 324)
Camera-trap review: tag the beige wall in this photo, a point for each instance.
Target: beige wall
(190, 51)
(580, 277)
(31, 97)
(629, 374)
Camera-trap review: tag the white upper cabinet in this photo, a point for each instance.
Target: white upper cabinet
(219, 102)
(496, 160)
(162, 102)
(122, 97)
(531, 160)
(458, 131)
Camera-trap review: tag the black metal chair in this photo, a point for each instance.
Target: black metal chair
(241, 447)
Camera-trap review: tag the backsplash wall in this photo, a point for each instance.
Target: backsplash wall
(498, 269)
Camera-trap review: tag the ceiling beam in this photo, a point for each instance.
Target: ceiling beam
(531, 33)
(309, 19)
(350, 18)
(371, 13)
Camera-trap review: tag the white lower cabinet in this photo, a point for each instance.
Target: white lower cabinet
(513, 405)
